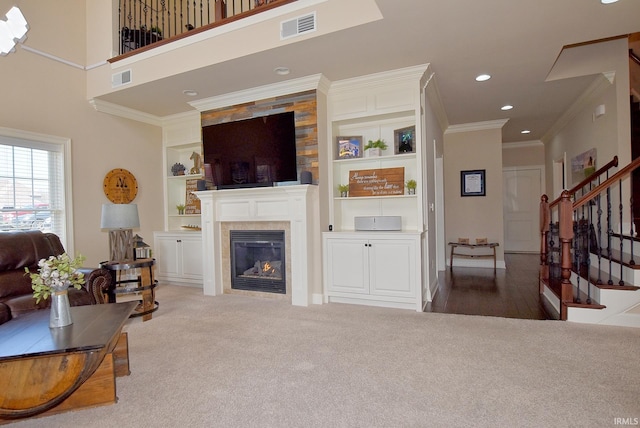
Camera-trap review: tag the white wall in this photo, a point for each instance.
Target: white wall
(473, 147)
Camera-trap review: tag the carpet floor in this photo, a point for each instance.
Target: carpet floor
(236, 361)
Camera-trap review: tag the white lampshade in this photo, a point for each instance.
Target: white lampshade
(120, 219)
(119, 216)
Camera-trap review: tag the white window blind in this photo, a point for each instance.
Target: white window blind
(32, 188)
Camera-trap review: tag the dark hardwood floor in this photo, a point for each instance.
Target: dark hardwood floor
(510, 293)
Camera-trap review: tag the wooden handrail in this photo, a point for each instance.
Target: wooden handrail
(634, 57)
(623, 173)
(612, 163)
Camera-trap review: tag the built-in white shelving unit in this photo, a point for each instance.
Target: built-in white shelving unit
(375, 267)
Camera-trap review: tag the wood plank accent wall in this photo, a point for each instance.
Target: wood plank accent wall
(304, 106)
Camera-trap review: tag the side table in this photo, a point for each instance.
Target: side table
(489, 245)
(143, 283)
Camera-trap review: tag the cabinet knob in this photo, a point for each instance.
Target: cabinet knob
(178, 240)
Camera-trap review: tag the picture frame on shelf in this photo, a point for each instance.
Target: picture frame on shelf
(349, 147)
(472, 183)
(404, 140)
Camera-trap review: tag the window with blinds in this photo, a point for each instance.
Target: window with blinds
(32, 187)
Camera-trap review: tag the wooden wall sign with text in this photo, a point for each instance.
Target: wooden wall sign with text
(376, 182)
(192, 203)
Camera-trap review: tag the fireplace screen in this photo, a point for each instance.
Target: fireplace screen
(257, 260)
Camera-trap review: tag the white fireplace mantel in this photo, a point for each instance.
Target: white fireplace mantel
(296, 204)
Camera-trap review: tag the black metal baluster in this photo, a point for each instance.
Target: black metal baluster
(164, 14)
(182, 24)
(577, 253)
(175, 19)
(195, 14)
(553, 230)
(631, 231)
(599, 281)
(588, 255)
(120, 30)
(620, 208)
(609, 233)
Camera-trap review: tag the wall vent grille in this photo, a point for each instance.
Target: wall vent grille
(297, 26)
(122, 78)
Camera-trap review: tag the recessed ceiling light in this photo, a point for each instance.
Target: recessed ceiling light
(483, 77)
(190, 92)
(608, 1)
(506, 107)
(282, 71)
(525, 131)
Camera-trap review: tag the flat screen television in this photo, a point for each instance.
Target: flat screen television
(251, 152)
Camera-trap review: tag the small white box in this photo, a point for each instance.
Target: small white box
(389, 222)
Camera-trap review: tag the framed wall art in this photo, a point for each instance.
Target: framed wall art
(472, 183)
(349, 147)
(404, 140)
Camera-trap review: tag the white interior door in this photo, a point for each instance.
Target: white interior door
(522, 191)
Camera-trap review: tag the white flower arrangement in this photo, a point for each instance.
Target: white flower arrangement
(56, 273)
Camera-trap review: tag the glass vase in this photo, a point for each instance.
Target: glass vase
(60, 315)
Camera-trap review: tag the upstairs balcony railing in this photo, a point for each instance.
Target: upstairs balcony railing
(144, 23)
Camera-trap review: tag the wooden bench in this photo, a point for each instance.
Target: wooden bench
(489, 245)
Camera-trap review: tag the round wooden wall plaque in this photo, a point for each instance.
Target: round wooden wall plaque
(120, 186)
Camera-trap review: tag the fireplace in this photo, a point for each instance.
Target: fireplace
(293, 209)
(257, 260)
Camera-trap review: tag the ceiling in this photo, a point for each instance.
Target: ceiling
(516, 42)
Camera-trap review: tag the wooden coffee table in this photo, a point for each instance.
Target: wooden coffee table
(51, 370)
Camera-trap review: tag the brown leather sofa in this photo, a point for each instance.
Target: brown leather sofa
(24, 249)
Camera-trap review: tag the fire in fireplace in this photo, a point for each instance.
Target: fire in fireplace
(258, 260)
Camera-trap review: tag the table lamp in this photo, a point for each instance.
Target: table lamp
(120, 219)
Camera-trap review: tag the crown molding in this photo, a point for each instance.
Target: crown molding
(128, 113)
(313, 82)
(476, 126)
(181, 118)
(382, 79)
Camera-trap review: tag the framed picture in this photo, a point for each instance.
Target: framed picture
(349, 147)
(472, 183)
(404, 140)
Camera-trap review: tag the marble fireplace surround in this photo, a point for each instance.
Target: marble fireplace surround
(290, 208)
(226, 227)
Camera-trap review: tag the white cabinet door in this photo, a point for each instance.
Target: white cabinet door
(392, 267)
(179, 257)
(166, 255)
(348, 265)
(191, 257)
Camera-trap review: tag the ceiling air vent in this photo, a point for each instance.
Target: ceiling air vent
(298, 26)
(121, 78)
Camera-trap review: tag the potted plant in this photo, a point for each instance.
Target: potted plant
(55, 275)
(178, 169)
(180, 208)
(374, 148)
(343, 189)
(411, 186)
